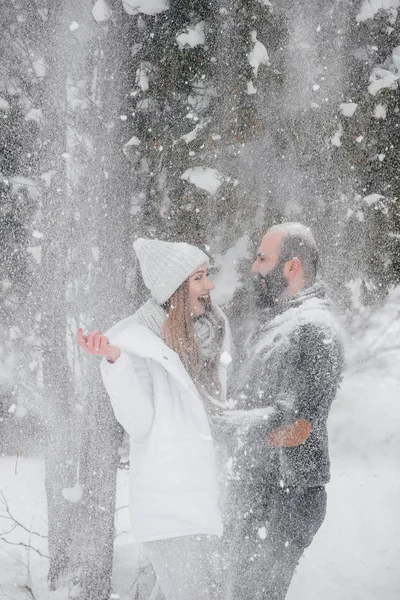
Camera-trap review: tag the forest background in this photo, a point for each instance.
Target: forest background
(190, 120)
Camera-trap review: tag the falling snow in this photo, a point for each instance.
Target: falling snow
(144, 118)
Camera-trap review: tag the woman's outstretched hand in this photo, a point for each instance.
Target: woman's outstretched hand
(98, 344)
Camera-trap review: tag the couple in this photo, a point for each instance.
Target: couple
(165, 370)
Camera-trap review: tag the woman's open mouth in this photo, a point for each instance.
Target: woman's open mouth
(204, 300)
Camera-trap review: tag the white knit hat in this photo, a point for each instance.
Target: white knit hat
(166, 265)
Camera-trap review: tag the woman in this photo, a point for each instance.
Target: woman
(163, 372)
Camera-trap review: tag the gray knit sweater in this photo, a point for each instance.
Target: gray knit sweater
(293, 365)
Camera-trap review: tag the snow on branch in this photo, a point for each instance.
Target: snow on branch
(370, 8)
(101, 11)
(381, 79)
(386, 78)
(147, 7)
(18, 182)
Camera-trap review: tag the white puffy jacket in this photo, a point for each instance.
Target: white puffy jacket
(173, 475)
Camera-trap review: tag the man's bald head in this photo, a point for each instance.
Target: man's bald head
(295, 240)
(286, 261)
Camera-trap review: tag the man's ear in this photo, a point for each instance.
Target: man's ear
(293, 267)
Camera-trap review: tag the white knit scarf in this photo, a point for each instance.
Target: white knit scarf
(208, 331)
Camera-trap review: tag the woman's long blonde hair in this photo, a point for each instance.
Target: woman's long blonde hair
(178, 333)
(178, 330)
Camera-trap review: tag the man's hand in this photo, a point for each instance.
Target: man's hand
(290, 436)
(98, 344)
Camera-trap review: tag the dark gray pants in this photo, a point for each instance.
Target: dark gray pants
(266, 544)
(184, 567)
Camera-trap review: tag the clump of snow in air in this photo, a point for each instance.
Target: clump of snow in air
(18, 411)
(348, 108)
(4, 105)
(396, 57)
(250, 88)
(203, 178)
(147, 7)
(48, 176)
(35, 114)
(192, 135)
(134, 141)
(40, 67)
(336, 138)
(225, 358)
(73, 494)
(14, 332)
(130, 149)
(142, 76)
(36, 253)
(74, 26)
(95, 253)
(262, 532)
(192, 37)
(370, 8)
(379, 111)
(259, 55)
(101, 11)
(373, 199)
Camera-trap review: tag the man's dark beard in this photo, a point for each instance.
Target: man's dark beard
(270, 287)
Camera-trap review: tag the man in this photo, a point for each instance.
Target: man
(292, 367)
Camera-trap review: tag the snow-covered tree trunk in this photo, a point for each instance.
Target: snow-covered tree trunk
(57, 377)
(85, 253)
(105, 242)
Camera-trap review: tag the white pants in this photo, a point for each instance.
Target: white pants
(186, 567)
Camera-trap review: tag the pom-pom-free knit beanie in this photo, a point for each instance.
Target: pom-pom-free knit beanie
(166, 265)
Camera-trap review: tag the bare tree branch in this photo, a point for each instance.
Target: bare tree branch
(28, 589)
(9, 531)
(13, 557)
(12, 518)
(25, 546)
(4, 595)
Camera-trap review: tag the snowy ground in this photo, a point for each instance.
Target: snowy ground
(356, 554)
